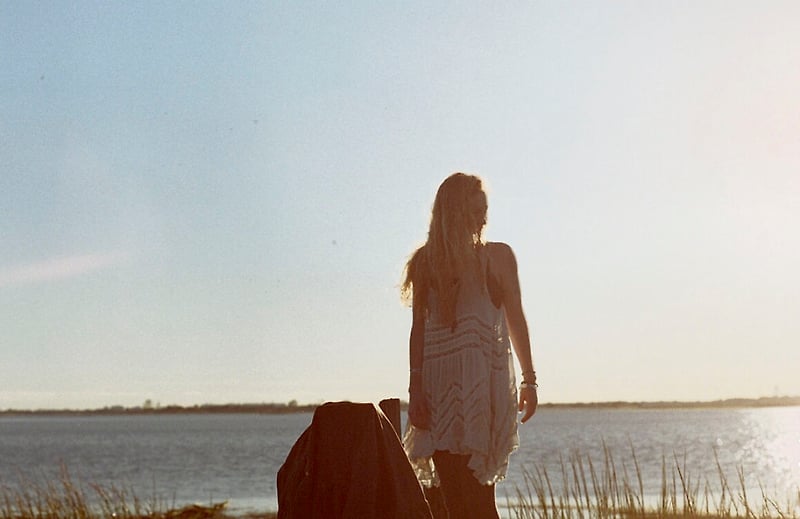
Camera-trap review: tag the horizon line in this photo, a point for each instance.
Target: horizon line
(293, 405)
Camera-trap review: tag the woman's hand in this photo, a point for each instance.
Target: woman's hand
(528, 400)
(418, 413)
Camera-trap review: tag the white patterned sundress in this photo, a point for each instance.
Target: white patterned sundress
(468, 381)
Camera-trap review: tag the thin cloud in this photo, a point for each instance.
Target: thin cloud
(58, 268)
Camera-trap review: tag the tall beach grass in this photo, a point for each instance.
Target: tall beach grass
(610, 489)
(70, 499)
(580, 489)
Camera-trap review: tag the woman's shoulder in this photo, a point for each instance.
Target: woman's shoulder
(502, 262)
(499, 251)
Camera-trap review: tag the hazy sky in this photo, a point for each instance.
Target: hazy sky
(213, 202)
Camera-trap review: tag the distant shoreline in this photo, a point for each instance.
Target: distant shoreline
(276, 408)
(772, 401)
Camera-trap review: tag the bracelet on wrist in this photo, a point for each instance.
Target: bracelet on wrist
(524, 384)
(529, 376)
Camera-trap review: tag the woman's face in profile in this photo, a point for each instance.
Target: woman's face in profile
(477, 210)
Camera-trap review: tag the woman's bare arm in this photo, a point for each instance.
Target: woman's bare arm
(505, 267)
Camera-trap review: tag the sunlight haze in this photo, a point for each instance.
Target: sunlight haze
(213, 203)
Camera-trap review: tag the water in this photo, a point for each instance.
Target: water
(182, 459)
(179, 459)
(763, 443)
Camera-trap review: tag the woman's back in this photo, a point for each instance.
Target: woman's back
(469, 384)
(467, 317)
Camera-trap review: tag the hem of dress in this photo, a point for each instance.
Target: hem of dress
(421, 459)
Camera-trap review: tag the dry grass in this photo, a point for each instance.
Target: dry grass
(586, 490)
(68, 499)
(608, 491)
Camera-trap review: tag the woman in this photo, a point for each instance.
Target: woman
(463, 401)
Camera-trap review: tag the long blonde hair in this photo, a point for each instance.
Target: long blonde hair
(455, 236)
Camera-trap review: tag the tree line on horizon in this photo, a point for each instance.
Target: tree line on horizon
(148, 407)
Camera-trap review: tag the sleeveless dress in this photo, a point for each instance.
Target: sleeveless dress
(468, 382)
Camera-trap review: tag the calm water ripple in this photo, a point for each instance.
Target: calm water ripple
(181, 459)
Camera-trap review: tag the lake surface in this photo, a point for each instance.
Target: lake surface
(182, 459)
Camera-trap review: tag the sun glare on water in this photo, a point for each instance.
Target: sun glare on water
(778, 433)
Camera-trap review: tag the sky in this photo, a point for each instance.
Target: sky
(213, 202)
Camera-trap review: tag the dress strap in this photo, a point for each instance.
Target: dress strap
(492, 283)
